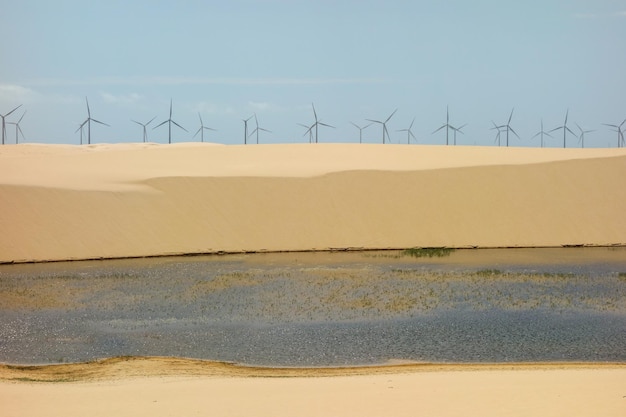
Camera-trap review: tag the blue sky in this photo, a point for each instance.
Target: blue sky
(355, 60)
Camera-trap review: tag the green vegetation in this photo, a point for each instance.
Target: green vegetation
(428, 252)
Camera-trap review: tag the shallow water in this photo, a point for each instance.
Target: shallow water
(322, 309)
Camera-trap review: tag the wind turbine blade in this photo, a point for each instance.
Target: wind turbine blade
(411, 125)
(570, 130)
(210, 128)
(511, 115)
(179, 126)
(24, 114)
(412, 135)
(135, 121)
(515, 133)
(324, 124)
(556, 128)
(314, 112)
(265, 130)
(391, 115)
(367, 126)
(196, 134)
(374, 121)
(150, 120)
(304, 126)
(170, 108)
(88, 111)
(356, 126)
(98, 121)
(459, 129)
(387, 132)
(13, 110)
(537, 134)
(160, 124)
(439, 129)
(200, 117)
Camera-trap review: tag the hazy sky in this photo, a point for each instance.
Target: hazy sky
(355, 59)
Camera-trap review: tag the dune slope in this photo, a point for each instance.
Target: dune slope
(59, 202)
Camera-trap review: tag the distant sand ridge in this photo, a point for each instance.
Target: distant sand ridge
(61, 202)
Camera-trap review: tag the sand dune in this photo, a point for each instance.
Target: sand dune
(104, 201)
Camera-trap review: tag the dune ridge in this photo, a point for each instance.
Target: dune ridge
(61, 202)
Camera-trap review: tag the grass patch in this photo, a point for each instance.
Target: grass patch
(428, 252)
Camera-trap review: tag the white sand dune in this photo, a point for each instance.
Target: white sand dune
(62, 202)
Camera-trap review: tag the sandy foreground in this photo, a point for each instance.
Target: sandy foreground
(60, 202)
(166, 387)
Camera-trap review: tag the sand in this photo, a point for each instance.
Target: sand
(63, 202)
(165, 387)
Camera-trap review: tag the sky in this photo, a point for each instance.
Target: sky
(353, 59)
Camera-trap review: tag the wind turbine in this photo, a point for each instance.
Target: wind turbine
(409, 133)
(80, 127)
(447, 126)
(541, 132)
(169, 123)
(581, 138)
(201, 129)
(457, 129)
(361, 129)
(257, 129)
(145, 132)
(317, 123)
(245, 129)
(384, 124)
(499, 129)
(565, 129)
(620, 133)
(4, 128)
(88, 122)
(507, 127)
(18, 129)
(309, 130)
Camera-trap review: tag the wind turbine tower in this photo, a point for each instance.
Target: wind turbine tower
(18, 129)
(542, 133)
(384, 125)
(201, 129)
(459, 130)
(317, 123)
(581, 137)
(409, 133)
(145, 132)
(88, 122)
(4, 127)
(361, 129)
(620, 133)
(245, 129)
(507, 128)
(257, 129)
(169, 123)
(447, 126)
(565, 129)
